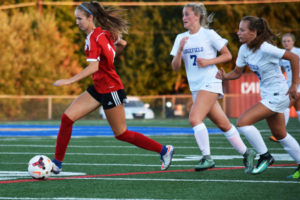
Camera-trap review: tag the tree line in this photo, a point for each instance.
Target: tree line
(39, 48)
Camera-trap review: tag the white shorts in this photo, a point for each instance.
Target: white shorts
(276, 102)
(211, 87)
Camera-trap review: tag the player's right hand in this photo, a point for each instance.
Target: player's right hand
(221, 74)
(61, 82)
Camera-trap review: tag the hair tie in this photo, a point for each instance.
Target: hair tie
(86, 9)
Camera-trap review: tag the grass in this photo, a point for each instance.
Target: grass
(121, 171)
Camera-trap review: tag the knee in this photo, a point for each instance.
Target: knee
(224, 126)
(194, 120)
(66, 119)
(240, 123)
(119, 130)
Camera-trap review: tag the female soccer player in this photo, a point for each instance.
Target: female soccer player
(103, 28)
(263, 59)
(198, 49)
(288, 41)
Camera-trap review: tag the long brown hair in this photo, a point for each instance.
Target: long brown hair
(110, 19)
(263, 32)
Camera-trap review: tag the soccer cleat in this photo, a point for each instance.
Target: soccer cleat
(249, 160)
(263, 162)
(273, 139)
(206, 162)
(296, 174)
(167, 158)
(56, 166)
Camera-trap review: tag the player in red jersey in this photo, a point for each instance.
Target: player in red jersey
(103, 28)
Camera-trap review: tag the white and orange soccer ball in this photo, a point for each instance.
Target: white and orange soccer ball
(39, 167)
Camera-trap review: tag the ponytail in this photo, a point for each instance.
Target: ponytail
(263, 32)
(109, 19)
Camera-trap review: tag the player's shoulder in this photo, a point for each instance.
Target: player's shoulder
(99, 33)
(296, 50)
(244, 48)
(270, 49)
(208, 31)
(182, 35)
(266, 46)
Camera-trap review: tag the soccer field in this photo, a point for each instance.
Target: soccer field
(101, 167)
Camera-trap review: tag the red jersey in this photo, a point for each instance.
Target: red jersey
(99, 46)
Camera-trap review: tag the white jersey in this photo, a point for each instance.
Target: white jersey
(264, 62)
(203, 44)
(287, 66)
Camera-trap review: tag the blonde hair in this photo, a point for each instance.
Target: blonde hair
(199, 8)
(291, 35)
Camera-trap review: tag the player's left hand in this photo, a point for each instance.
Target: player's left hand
(201, 62)
(292, 92)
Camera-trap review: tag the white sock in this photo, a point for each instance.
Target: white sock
(286, 115)
(254, 137)
(298, 113)
(291, 146)
(235, 140)
(201, 135)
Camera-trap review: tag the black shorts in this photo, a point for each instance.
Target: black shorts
(108, 100)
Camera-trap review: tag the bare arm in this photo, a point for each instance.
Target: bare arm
(120, 45)
(177, 60)
(294, 60)
(234, 74)
(224, 56)
(89, 70)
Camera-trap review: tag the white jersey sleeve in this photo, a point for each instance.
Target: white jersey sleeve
(272, 50)
(216, 40)
(241, 61)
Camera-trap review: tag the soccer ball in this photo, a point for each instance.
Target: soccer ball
(39, 167)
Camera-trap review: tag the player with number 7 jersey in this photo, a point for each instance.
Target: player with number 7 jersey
(198, 48)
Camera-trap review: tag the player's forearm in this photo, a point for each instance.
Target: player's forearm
(294, 60)
(176, 62)
(89, 70)
(120, 45)
(223, 58)
(234, 74)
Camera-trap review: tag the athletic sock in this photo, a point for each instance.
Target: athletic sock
(286, 115)
(255, 139)
(202, 138)
(298, 113)
(63, 137)
(291, 146)
(235, 140)
(141, 141)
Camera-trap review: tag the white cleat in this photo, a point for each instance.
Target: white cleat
(55, 168)
(167, 158)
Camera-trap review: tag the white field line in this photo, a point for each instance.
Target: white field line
(191, 180)
(70, 198)
(183, 157)
(116, 146)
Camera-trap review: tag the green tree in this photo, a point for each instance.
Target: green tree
(33, 55)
